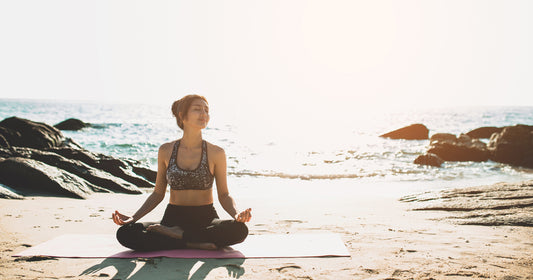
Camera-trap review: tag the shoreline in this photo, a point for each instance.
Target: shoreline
(385, 239)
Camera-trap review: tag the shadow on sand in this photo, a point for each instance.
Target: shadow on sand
(164, 268)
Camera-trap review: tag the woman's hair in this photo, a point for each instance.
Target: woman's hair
(182, 106)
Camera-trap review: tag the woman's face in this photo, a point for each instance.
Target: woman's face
(198, 115)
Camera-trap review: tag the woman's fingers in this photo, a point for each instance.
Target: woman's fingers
(117, 220)
(121, 216)
(245, 216)
(249, 214)
(120, 219)
(114, 217)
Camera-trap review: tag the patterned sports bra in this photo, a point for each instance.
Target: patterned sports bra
(197, 179)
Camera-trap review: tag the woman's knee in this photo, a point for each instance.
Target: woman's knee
(240, 231)
(126, 234)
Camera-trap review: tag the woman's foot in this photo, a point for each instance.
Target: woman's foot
(202, 246)
(174, 232)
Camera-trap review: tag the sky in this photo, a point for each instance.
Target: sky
(293, 57)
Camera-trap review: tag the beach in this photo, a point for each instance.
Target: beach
(401, 130)
(385, 238)
(397, 219)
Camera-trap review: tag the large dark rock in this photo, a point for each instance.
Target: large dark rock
(429, 159)
(6, 153)
(92, 175)
(462, 149)
(412, 132)
(5, 135)
(484, 132)
(5, 192)
(25, 133)
(146, 173)
(109, 164)
(72, 124)
(28, 176)
(514, 145)
(48, 163)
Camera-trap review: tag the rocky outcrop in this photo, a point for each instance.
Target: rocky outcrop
(93, 175)
(503, 204)
(511, 145)
(484, 132)
(144, 172)
(443, 137)
(27, 176)
(25, 133)
(514, 145)
(6, 134)
(462, 148)
(72, 124)
(429, 159)
(119, 168)
(36, 158)
(5, 192)
(412, 132)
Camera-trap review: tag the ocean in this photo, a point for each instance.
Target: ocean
(350, 151)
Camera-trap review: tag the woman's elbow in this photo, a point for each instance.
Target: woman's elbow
(159, 195)
(223, 196)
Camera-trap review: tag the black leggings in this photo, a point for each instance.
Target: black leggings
(199, 223)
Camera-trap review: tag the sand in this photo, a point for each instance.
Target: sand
(385, 238)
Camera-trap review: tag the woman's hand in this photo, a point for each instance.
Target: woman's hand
(121, 219)
(245, 216)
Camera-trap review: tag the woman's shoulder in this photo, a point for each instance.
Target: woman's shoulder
(215, 150)
(167, 147)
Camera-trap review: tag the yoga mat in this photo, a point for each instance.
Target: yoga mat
(255, 246)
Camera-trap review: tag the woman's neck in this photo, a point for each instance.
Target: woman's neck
(191, 139)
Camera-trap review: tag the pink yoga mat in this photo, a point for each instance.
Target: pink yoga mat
(255, 246)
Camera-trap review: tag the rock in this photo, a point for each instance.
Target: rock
(37, 158)
(443, 137)
(25, 133)
(412, 132)
(514, 145)
(5, 153)
(484, 132)
(29, 176)
(71, 124)
(109, 164)
(429, 159)
(100, 178)
(6, 134)
(146, 173)
(77, 154)
(502, 204)
(463, 149)
(5, 192)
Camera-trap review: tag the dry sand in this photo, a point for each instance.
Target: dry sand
(385, 239)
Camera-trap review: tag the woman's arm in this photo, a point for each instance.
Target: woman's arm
(158, 193)
(225, 199)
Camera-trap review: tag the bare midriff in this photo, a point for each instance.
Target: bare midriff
(191, 197)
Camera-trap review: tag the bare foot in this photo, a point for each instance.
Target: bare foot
(202, 246)
(174, 232)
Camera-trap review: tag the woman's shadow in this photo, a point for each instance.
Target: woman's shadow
(165, 268)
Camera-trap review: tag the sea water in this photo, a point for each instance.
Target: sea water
(349, 152)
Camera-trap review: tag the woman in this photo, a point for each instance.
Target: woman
(189, 165)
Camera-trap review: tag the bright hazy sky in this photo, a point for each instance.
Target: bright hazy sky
(304, 55)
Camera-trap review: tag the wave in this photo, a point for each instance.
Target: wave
(105, 125)
(301, 176)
